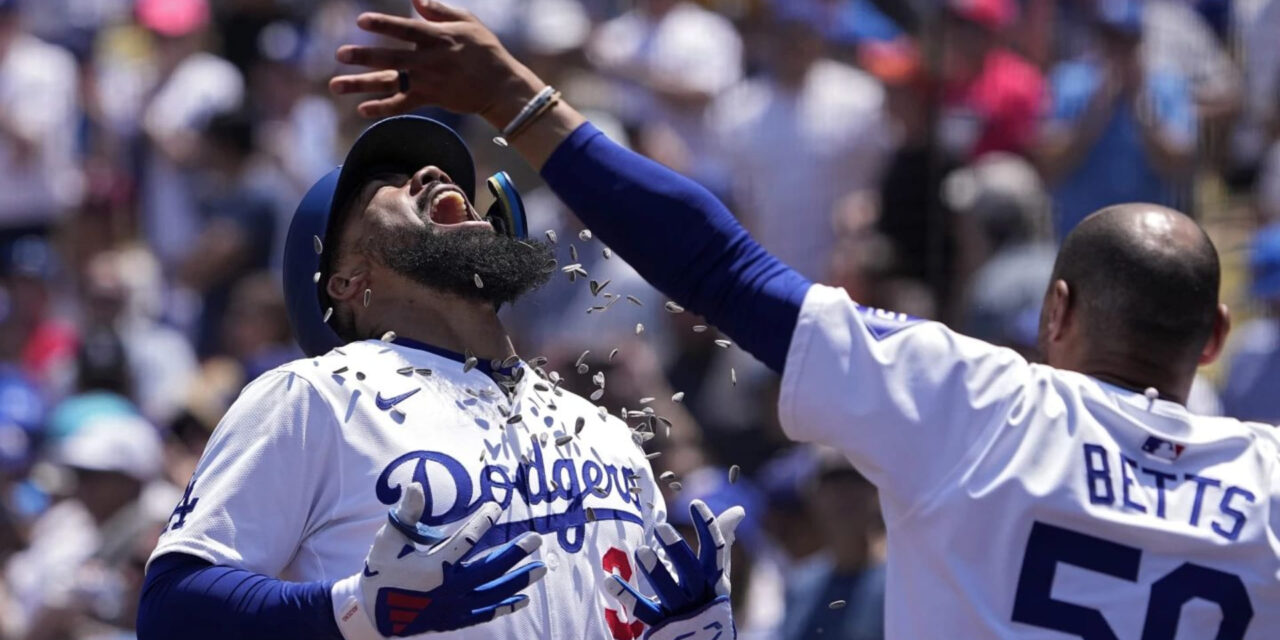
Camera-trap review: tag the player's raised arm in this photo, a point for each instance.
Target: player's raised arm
(674, 232)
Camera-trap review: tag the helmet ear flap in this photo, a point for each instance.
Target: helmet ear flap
(506, 214)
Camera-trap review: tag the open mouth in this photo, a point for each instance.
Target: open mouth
(446, 205)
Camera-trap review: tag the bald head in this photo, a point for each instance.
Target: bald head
(1144, 281)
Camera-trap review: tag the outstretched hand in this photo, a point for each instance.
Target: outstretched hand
(453, 61)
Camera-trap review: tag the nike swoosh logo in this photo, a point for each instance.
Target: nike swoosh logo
(368, 573)
(385, 404)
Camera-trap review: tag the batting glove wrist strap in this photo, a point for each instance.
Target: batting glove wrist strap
(406, 590)
(714, 621)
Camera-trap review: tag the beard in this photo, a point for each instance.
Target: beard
(451, 262)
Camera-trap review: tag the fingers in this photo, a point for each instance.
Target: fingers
(672, 596)
(729, 521)
(686, 564)
(511, 583)
(390, 106)
(710, 539)
(510, 605)
(403, 29)
(384, 82)
(633, 601)
(463, 540)
(379, 57)
(439, 11)
(500, 560)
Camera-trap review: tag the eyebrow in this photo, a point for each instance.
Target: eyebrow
(379, 180)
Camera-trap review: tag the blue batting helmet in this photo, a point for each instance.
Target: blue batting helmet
(403, 144)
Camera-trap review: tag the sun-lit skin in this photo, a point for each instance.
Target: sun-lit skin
(397, 303)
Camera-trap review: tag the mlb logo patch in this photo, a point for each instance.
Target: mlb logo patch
(882, 323)
(1163, 449)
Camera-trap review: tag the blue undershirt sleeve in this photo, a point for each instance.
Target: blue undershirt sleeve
(681, 239)
(186, 597)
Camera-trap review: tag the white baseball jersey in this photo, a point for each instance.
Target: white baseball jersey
(1023, 501)
(301, 472)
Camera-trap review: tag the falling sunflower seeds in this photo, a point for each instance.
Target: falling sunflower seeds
(470, 364)
(583, 369)
(673, 307)
(667, 476)
(733, 376)
(563, 440)
(573, 253)
(598, 379)
(607, 253)
(389, 336)
(316, 278)
(551, 236)
(319, 246)
(634, 300)
(405, 371)
(723, 344)
(479, 282)
(677, 396)
(368, 295)
(579, 424)
(584, 235)
(733, 473)
(510, 362)
(339, 371)
(612, 354)
(597, 287)
(360, 375)
(591, 514)
(422, 372)
(836, 604)
(699, 328)
(328, 313)
(646, 400)
(639, 328)
(651, 456)
(596, 395)
(676, 486)
(515, 418)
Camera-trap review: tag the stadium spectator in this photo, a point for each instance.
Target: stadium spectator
(991, 96)
(670, 59)
(799, 138)
(39, 175)
(1116, 132)
(1250, 389)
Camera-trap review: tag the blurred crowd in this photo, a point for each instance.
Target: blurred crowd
(926, 155)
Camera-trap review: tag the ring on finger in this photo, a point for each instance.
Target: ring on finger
(402, 80)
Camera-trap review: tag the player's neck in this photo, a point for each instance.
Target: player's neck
(442, 320)
(1171, 386)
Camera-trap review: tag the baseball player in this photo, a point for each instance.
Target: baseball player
(1077, 499)
(497, 505)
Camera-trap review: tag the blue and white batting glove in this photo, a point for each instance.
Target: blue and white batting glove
(414, 581)
(693, 605)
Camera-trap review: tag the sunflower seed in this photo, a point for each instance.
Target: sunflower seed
(389, 336)
(583, 369)
(651, 456)
(613, 353)
(676, 486)
(598, 378)
(596, 395)
(470, 364)
(515, 418)
(368, 295)
(578, 362)
(646, 400)
(479, 282)
(554, 377)
(634, 300)
(422, 372)
(733, 473)
(541, 387)
(328, 313)
(699, 328)
(733, 376)
(582, 273)
(319, 246)
(591, 514)
(549, 266)
(597, 287)
(639, 328)
(316, 278)
(607, 253)
(673, 307)
(339, 371)
(667, 476)
(537, 361)
(677, 396)
(359, 375)
(584, 235)
(635, 414)
(405, 371)
(551, 235)
(573, 252)
(579, 424)
(506, 413)
(510, 362)
(563, 440)
(836, 604)
(723, 344)
(570, 268)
